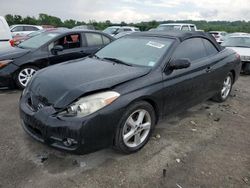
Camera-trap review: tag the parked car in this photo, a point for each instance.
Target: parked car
(19, 39)
(22, 29)
(5, 35)
(240, 44)
(176, 27)
(218, 35)
(89, 27)
(19, 64)
(114, 30)
(115, 98)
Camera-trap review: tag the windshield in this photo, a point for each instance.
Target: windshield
(143, 51)
(38, 41)
(110, 30)
(168, 27)
(237, 42)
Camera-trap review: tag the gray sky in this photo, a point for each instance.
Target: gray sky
(131, 10)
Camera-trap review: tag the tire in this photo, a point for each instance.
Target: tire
(24, 74)
(143, 129)
(226, 89)
(246, 68)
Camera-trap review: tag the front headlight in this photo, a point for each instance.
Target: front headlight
(4, 63)
(90, 104)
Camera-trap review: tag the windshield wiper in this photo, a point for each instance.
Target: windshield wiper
(95, 56)
(243, 46)
(117, 61)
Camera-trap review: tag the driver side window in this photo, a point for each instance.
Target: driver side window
(67, 42)
(192, 49)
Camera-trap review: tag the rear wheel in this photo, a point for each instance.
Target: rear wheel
(135, 128)
(224, 93)
(24, 75)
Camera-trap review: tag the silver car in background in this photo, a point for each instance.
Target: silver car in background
(240, 44)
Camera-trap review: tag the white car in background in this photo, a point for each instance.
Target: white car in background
(114, 30)
(240, 44)
(176, 26)
(219, 35)
(5, 35)
(23, 29)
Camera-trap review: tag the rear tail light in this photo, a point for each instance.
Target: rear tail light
(12, 42)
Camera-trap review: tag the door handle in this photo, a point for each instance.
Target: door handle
(209, 69)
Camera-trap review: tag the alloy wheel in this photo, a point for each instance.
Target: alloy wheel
(136, 128)
(25, 75)
(227, 85)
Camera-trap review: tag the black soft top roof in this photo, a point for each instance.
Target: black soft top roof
(179, 35)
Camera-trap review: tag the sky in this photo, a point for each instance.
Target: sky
(131, 10)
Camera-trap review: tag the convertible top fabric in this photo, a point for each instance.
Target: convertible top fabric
(180, 35)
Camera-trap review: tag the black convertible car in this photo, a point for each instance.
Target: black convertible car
(19, 64)
(116, 97)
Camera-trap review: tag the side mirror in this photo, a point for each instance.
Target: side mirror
(179, 64)
(57, 48)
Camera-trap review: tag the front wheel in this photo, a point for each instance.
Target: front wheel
(24, 75)
(135, 128)
(225, 91)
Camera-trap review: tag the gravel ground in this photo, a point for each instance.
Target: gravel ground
(207, 146)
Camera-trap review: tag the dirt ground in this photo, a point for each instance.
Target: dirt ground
(208, 147)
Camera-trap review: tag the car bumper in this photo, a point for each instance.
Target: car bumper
(6, 76)
(87, 134)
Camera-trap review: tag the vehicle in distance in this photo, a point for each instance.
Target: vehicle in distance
(89, 27)
(23, 29)
(122, 34)
(116, 98)
(176, 26)
(114, 30)
(19, 64)
(218, 35)
(240, 44)
(5, 35)
(18, 39)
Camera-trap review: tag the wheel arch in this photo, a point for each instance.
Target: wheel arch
(234, 75)
(153, 103)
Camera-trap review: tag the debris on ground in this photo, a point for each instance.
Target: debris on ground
(82, 164)
(194, 130)
(217, 119)
(158, 136)
(42, 157)
(164, 172)
(245, 179)
(211, 114)
(178, 160)
(178, 185)
(193, 123)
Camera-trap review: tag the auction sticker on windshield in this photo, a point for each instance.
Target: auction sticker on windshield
(155, 44)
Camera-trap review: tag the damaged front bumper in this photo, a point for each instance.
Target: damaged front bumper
(78, 135)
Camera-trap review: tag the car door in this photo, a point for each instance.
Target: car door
(73, 47)
(95, 41)
(217, 68)
(185, 87)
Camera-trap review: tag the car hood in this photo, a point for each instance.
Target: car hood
(241, 51)
(61, 84)
(12, 53)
